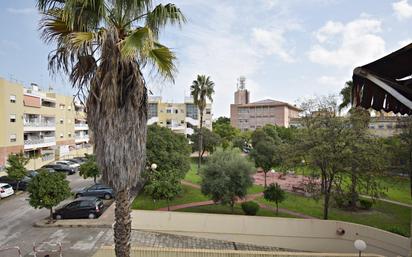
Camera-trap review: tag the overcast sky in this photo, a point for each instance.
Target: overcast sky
(287, 49)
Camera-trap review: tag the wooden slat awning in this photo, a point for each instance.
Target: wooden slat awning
(385, 84)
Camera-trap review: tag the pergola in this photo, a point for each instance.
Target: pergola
(385, 84)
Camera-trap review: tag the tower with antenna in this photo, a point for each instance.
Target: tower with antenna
(242, 94)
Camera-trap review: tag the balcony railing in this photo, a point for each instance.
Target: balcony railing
(39, 124)
(81, 137)
(81, 125)
(36, 141)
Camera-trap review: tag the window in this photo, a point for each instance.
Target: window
(208, 111)
(86, 204)
(61, 106)
(12, 117)
(61, 121)
(70, 134)
(182, 121)
(61, 135)
(13, 138)
(69, 108)
(389, 126)
(168, 110)
(191, 111)
(381, 126)
(176, 111)
(12, 98)
(152, 112)
(168, 122)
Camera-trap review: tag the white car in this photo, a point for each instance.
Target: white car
(69, 163)
(5, 190)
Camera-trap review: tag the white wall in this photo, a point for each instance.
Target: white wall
(298, 234)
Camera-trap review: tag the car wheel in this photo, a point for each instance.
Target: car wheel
(107, 196)
(92, 216)
(78, 195)
(58, 217)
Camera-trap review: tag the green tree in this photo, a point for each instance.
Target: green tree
(266, 156)
(226, 176)
(103, 47)
(47, 190)
(201, 89)
(406, 140)
(226, 132)
(210, 141)
(168, 150)
(274, 193)
(163, 185)
(89, 169)
(16, 168)
(346, 94)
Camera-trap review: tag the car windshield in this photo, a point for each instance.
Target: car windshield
(6, 187)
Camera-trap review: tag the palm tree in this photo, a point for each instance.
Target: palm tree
(201, 90)
(346, 94)
(103, 45)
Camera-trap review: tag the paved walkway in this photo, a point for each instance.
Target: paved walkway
(389, 201)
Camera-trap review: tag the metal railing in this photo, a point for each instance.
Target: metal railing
(81, 137)
(82, 125)
(14, 249)
(39, 124)
(35, 141)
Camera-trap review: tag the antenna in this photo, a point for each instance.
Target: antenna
(242, 82)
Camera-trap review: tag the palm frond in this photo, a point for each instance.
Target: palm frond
(162, 58)
(139, 42)
(162, 15)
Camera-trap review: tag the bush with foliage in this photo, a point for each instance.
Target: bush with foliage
(48, 189)
(250, 208)
(274, 193)
(365, 204)
(226, 176)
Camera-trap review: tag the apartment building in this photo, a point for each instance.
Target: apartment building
(250, 116)
(179, 117)
(46, 126)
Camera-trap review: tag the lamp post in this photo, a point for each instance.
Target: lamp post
(303, 167)
(153, 166)
(360, 245)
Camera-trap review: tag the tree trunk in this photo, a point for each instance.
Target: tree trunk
(168, 205)
(277, 208)
(326, 207)
(200, 139)
(265, 172)
(17, 185)
(232, 207)
(122, 225)
(51, 214)
(94, 178)
(353, 191)
(117, 117)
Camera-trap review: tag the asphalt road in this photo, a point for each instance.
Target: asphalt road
(16, 228)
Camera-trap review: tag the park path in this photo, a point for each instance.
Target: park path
(250, 197)
(389, 201)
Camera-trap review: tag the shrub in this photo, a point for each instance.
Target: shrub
(250, 208)
(398, 230)
(365, 204)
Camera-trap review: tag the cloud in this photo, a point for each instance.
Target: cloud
(333, 83)
(405, 42)
(348, 45)
(21, 10)
(272, 42)
(402, 9)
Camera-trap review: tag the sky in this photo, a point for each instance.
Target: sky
(288, 50)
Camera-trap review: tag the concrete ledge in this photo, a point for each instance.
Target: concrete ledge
(108, 251)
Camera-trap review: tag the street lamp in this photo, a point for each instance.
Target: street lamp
(360, 245)
(153, 166)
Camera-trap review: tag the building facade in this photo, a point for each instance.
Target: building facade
(180, 117)
(250, 116)
(45, 126)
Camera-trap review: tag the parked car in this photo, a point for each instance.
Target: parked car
(60, 168)
(13, 183)
(83, 207)
(97, 190)
(5, 190)
(71, 164)
(82, 159)
(78, 161)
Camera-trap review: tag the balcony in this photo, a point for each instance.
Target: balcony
(39, 126)
(81, 126)
(81, 138)
(33, 143)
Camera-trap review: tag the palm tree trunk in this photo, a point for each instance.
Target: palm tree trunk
(200, 139)
(122, 225)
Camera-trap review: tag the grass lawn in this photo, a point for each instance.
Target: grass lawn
(192, 175)
(255, 189)
(189, 194)
(225, 209)
(386, 216)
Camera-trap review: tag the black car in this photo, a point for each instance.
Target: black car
(97, 190)
(78, 161)
(60, 168)
(83, 207)
(13, 183)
